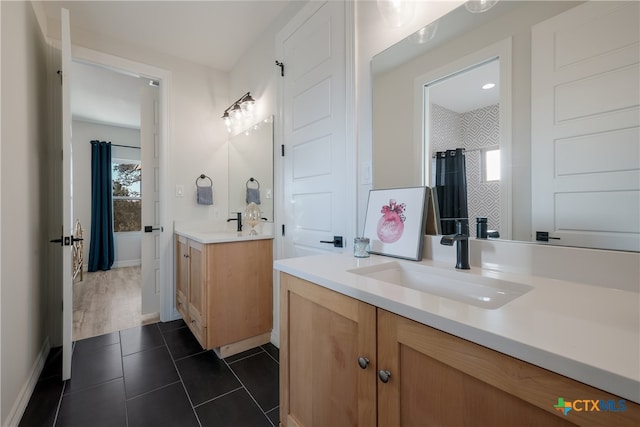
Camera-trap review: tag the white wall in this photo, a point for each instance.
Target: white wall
(127, 245)
(23, 279)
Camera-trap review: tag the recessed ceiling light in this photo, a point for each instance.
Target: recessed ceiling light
(488, 86)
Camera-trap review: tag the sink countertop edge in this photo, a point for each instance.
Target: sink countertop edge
(520, 328)
(207, 237)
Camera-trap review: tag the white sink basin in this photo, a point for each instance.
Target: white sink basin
(481, 291)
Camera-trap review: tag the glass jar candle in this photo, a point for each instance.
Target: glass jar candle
(361, 247)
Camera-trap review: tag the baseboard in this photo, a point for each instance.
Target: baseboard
(127, 263)
(17, 411)
(275, 338)
(240, 346)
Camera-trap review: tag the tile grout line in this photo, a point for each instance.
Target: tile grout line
(244, 358)
(218, 397)
(274, 359)
(64, 386)
(247, 390)
(181, 381)
(151, 391)
(124, 381)
(55, 417)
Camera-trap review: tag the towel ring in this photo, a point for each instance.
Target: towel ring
(253, 180)
(203, 176)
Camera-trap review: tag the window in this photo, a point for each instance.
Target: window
(491, 164)
(127, 200)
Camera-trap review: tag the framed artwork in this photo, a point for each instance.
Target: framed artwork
(395, 222)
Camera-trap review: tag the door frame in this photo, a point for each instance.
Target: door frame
(118, 64)
(501, 50)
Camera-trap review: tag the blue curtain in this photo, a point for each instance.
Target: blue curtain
(101, 248)
(451, 189)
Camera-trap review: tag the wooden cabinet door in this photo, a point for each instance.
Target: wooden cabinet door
(441, 380)
(322, 335)
(240, 291)
(197, 291)
(182, 277)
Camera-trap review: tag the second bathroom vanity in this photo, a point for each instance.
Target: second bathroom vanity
(224, 288)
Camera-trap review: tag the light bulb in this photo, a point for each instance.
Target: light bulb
(236, 113)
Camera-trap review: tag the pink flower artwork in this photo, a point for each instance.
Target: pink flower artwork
(391, 225)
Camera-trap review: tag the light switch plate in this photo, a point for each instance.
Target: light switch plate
(365, 173)
(179, 190)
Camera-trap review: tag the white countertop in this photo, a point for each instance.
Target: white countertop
(223, 236)
(585, 332)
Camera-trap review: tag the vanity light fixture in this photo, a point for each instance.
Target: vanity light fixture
(396, 13)
(479, 6)
(239, 111)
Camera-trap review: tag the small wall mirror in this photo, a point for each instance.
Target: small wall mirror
(251, 169)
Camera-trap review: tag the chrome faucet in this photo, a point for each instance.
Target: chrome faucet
(462, 243)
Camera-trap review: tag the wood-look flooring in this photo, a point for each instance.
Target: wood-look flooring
(108, 301)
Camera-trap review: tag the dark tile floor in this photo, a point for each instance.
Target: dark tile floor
(156, 375)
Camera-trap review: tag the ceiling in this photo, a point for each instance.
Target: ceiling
(212, 33)
(463, 91)
(103, 96)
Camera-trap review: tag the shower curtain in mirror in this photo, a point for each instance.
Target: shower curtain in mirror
(101, 247)
(451, 188)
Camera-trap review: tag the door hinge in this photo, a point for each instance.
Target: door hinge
(281, 65)
(283, 229)
(282, 150)
(60, 74)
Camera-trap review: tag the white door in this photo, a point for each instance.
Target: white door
(313, 121)
(150, 143)
(67, 199)
(585, 126)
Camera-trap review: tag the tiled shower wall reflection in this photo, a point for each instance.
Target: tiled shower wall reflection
(474, 130)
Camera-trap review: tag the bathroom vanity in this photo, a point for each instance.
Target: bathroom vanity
(374, 342)
(224, 288)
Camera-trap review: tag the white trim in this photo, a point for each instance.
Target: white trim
(167, 305)
(127, 263)
(501, 50)
(351, 153)
(1, 215)
(20, 405)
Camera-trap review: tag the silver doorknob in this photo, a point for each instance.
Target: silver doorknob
(363, 362)
(384, 376)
